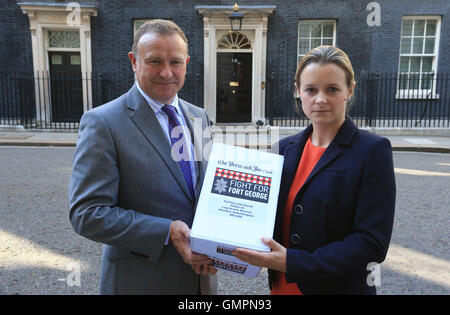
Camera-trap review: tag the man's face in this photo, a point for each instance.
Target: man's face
(160, 65)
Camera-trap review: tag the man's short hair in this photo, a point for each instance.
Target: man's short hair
(158, 26)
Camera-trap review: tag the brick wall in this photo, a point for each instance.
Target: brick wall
(374, 49)
(15, 37)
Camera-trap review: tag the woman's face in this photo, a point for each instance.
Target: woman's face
(324, 92)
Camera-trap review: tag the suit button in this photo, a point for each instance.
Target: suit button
(298, 209)
(295, 239)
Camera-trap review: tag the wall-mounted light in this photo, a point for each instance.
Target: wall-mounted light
(236, 19)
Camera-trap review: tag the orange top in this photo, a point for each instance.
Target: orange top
(310, 157)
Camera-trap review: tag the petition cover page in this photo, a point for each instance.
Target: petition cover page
(238, 201)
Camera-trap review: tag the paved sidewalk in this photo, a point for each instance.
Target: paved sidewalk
(38, 138)
(407, 142)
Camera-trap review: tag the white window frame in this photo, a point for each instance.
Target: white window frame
(419, 93)
(299, 55)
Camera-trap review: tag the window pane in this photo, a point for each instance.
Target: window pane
(138, 24)
(429, 45)
(64, 39)
(316, 30)
(419, 28)
(418, 45)
(415, 64)
(427, 64)
(328, 41)
(314, 33)
(404, 64)
(303, 46)
(405, 46)
(56, 60)
(414, 81)
(75, 60)
(303, 30)
(407, 27)
(426, 81)
(431, 27)
(327, 30)
(403, 81)
(315, 42)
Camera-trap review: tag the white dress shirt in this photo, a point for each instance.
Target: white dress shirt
(164, 122)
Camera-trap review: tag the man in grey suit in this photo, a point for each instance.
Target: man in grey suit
(138, 169)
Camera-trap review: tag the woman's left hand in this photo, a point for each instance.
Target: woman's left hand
(275, 259)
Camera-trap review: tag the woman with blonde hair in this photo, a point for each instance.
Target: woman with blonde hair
(337, 196)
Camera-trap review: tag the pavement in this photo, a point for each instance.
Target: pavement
(424, 140)
(41, 253)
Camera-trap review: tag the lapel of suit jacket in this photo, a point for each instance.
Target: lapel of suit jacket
(144, 118)
(342, 138)
(292, 154)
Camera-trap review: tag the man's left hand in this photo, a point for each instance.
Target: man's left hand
(204, 270)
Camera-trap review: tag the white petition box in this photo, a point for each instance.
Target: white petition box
(237, 205)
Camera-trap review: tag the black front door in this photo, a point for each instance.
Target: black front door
(234, 87)
(66, 86)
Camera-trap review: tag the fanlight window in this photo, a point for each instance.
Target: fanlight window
(234, 41)
(64, 39)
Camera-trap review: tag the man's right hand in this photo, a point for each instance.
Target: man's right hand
(179, 236)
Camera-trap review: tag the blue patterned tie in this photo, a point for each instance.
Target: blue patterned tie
(179, 145)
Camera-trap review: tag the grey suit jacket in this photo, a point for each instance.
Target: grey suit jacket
(125, 190)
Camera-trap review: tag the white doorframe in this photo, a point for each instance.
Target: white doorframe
(215, 20)
(45, 17)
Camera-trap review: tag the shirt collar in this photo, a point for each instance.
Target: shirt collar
(154, 104)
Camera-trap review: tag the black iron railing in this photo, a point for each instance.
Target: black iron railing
(57, 100)
(380, 100)
(54, 100)
(403, 100)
